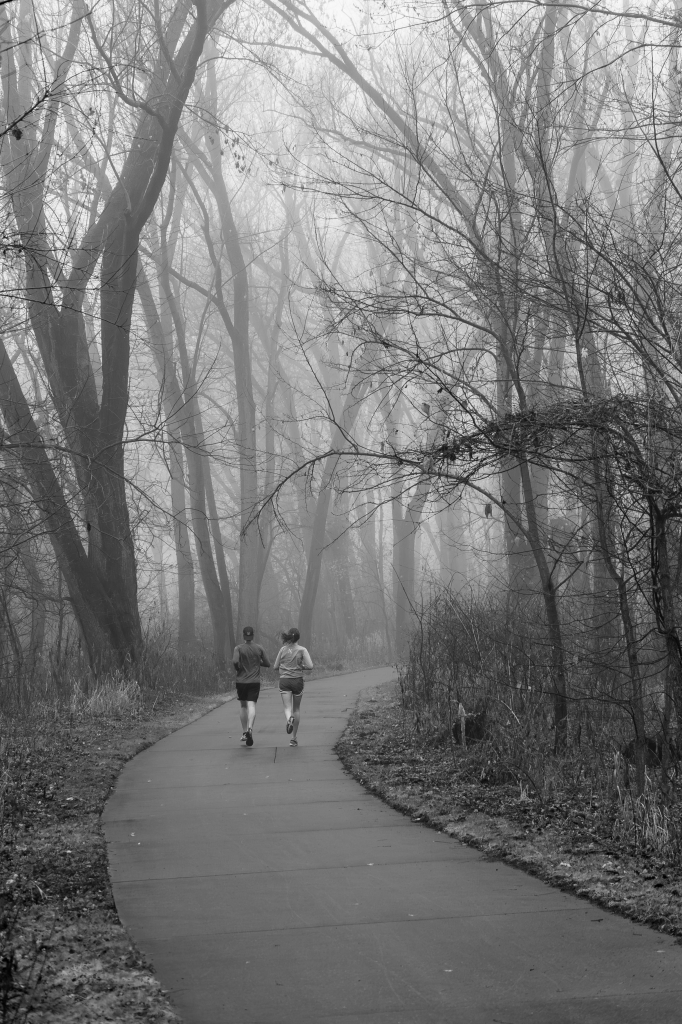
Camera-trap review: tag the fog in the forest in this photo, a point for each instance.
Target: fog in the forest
(365, 320)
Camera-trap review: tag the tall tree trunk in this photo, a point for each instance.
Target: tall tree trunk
(183, 405)
(218, 546)
(94, 430)
(195, 455)
(238, 329)
(451, 548)
(341, 558)
(92, 607)
(173, 407)
(305, 503)
(382, 584)
(663, 592)
(550, 597)
(374, 550)
(183, 551)
(405, 526)
(340, 431)
(161, 579)
(270, 342)
(318, 543)
(37, 597)
(608, 556)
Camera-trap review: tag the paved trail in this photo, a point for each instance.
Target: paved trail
(267, 887)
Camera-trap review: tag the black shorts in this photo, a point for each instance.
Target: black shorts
(294, 686)
(248, 691)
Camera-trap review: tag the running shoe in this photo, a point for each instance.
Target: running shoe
(290, 725)
(249, 738)
(243, 739)
(293, 743)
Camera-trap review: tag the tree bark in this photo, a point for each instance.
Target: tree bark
(173, 411)
(318, 542)
(664, 606)
(94, 430)
(218, 547)
(187, 418)
(405, 526)
(92, 607)
(549, 593)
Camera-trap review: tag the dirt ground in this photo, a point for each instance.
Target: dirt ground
(570, 844)
(64, 955)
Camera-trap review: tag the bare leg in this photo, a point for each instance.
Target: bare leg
(244, 715)
(251, 714)
(287, 701)
(297, 714)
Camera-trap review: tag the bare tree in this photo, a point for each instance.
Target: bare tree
(103, 582)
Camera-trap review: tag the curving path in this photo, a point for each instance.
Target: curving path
(267, 887)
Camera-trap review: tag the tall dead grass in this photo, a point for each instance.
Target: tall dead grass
(496, 667)
(649, 823)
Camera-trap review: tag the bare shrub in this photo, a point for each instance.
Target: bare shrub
(482, 663)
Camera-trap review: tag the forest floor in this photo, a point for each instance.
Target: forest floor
(65, 958)
(568, 843)
(64, 955)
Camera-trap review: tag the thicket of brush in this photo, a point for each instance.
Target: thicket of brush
(62, 678)
(491, 668)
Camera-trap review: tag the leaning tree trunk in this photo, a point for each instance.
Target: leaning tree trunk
(90, 601)
(94, 430)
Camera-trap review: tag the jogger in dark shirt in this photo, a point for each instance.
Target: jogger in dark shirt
(247, 659)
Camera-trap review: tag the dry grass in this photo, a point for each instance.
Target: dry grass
(649, 823)
(582, 841)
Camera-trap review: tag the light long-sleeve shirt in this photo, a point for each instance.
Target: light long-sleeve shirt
(292, 661)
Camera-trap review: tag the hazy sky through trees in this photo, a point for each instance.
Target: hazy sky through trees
(311, 311)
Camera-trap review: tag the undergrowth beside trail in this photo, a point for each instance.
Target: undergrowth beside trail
(64, 956)
(566, 837)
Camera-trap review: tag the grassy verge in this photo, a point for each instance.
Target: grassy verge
(64, 955)
(569, 843)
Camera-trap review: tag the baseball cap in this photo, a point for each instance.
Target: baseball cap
(248, 631)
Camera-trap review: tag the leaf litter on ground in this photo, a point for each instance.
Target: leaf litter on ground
(567, 842)
(65, 957)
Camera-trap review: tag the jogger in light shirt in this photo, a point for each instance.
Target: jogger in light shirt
(292, 661)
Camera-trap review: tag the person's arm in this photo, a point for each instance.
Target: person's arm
(236, 660)
(306, 661)
(278, 658)
(264, 660)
